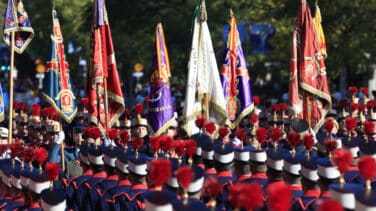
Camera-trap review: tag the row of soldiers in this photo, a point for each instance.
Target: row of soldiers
(270, 162)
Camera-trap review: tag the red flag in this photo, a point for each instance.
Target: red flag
(103, 73)
(308, 72)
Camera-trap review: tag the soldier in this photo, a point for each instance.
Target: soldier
(242, 167)
(134, 199)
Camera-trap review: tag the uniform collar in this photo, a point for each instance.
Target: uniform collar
(113, 177)
(88, 172)
(326, 194)
(139, 187)
(260, 175)
(201, 165)
(124, 182)
(225, 174)
(296, 187)
(243, 177)
(35, 205)
(101, 174)
(312, 193)
(210, 171)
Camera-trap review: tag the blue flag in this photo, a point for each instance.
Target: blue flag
(2, 105)
(57, 87)
(161, 110)
(16, 20)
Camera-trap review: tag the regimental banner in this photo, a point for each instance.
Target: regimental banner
(161, 110)
(204, 94)
(235, 78)
(309, 95)
(16, 20)
(106, 102)
(2, 105)
(57, 86)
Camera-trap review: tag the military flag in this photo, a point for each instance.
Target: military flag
(161, 110)
(2, 105)
(17, 21)
(235, 78)
(106, 102)
(204, 93)
(57, 86)
(309, 95)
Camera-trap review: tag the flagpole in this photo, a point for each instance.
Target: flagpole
(106, 103)
(10, 121)
(202, 18)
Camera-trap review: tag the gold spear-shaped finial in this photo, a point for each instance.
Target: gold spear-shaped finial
(203, 14)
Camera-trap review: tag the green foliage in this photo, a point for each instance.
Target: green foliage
(349, 27)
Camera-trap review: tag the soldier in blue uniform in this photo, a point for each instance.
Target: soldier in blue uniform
(84, 199)
(134, 199)
(258, 167)
(108, 199)
(242, 167)
(207, 150)
(223, 159)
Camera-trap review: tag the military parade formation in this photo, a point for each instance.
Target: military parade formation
(223, 148)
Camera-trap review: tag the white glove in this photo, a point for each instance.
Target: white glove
(61, 137)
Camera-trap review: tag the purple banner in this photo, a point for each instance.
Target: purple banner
(235, 78)
(161, 110)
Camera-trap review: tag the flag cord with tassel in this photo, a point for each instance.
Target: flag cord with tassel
(10, 120)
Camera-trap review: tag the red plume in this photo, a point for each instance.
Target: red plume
(371, 104)
(329, 205)
(94, 133)
(29, 154)
(212, 187)
(283, 106)
(256, 100)
(350, 123)
(155, 143)
(241, 193)
(139, 108)
(279, 196)
(185, 176)
(343, 103)
(367, 167)
(160, 171)
(112, 133)
(22, 106)
(369, 127)
(241, 134)
(329, 125)
(35, 110)
(124, 136)
(353, 106)
(127, 112)
(53, 114)
(137, 143)
(190, 147)
(364, 90)
(87, 131)
(330, 145)
(261, 134)
(361, 107)
(210, 127)
(52, 171)
(276, 107)
(353, 90)
(14, 149)
(3, 148)
(275, 134)
(40, 155)
(254, 118)
(178, 146)
(308, 141)
(342, 158)
(223, 131)
(165, 143)
(200, 121)
(85, 102)
(294, 139)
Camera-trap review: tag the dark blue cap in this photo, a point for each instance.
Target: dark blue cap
(53, 199)
(192, 204)
(157, 199)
